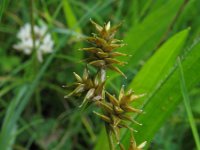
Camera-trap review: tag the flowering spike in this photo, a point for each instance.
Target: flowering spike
(116, 110)
(104, 43)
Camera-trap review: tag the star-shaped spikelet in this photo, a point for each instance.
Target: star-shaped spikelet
(103, 50)
(91, 88)
(117, 111)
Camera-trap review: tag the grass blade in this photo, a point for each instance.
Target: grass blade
(186, 101)
(70, 17)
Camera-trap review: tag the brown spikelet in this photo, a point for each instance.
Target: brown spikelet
(90, 88)
(103, 47)
(118, 109)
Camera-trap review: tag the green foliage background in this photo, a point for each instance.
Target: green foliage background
(33, 113)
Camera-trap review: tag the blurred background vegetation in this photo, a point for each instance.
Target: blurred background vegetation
(33, 112)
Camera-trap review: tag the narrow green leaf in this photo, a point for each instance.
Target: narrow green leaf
(9, 126)
(159, 65)
(186, 101)
(73, 24)
(70, 17)
(144, 37)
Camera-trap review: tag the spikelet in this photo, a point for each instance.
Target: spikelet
(117, 111)
(91, 88)
(103, 48)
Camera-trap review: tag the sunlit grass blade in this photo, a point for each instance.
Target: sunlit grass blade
(186, 101)
(70, 16)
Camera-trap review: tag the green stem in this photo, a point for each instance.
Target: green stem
(32, 22)
(109, 135)
(110, 140)
(35, 61)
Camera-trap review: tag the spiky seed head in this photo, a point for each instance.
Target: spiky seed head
(90, 88)
(103, 46)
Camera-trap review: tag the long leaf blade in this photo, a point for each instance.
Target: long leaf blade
(186, 101)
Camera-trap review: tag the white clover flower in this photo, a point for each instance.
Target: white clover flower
(43, 42)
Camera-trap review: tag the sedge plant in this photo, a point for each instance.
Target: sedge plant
(116, 111)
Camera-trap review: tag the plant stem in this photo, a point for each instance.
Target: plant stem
(32, 23)
(32, 70)
(110, 140)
